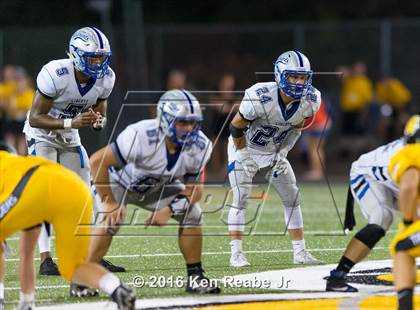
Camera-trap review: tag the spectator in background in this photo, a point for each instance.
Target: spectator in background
(20, 102)
(356, 95)
(8, 82)
(223, 106)
(7, 87)
(394, 98)
(177, 79)
(318, 128)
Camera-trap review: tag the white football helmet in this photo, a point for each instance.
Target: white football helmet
(292, 62)
(90, 51)
(179, 105)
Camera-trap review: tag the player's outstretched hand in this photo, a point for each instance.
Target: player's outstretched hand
(85, 119)
(159, 218)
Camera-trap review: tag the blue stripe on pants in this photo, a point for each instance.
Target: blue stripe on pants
(363, 192)
(82, 161)
(356, 179)
(230, 167)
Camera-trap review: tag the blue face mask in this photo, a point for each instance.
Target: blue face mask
(94, 68)
(295, 90)
(95, 64)
(181, 137)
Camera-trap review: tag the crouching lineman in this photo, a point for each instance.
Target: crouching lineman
(376, 194)
(265, 129)
(405, 171)
(24, 182)
(147, 166)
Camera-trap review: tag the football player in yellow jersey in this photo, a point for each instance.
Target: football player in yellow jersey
(405, 171)
(24, 182)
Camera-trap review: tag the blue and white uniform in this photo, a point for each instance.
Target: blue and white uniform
(57, 81)
(270, 125)
(373, 189)
(150, 177)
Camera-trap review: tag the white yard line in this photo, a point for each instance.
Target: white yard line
(213, 253)
(307, 232)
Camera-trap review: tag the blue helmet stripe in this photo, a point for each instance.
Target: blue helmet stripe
(189, 101)
(300, 58)
(101, 43)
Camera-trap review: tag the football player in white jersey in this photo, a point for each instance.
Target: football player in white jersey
(376, 194)
(71, 94)
(156, 164)
(265, 129)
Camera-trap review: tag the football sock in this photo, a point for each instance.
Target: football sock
(236, 246)
(1, 290)
(109, 282)
(345, 264)
(27, 297)
(44, 242)
(405, 299)
(298, 245)
(194, 269)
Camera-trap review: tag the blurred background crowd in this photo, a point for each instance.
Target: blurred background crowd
(364, 60)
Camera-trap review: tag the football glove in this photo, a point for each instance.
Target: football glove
(249, 165)
(281, 164)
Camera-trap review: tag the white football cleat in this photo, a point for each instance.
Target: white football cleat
(238, 259)
(26, 305)
(305, 258)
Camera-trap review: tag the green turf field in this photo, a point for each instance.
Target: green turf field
(154, 251)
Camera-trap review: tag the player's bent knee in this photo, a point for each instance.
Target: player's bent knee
(289, 194)
(112, 231)
(193, 217)
(370, 235)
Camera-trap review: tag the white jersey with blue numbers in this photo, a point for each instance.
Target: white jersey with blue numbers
(270, 120)
(145, 162)
(57, 81)
(375, 165)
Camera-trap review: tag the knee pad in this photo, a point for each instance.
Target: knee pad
(405, 245)
(193, 216)
(236, 219)
(370, 235)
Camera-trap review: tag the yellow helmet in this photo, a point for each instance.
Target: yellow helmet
(412, 130)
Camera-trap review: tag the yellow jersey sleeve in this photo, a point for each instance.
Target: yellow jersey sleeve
(407, 157)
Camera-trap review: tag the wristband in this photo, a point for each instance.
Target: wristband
(67, 123)
(236, 132)
(407, 222)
